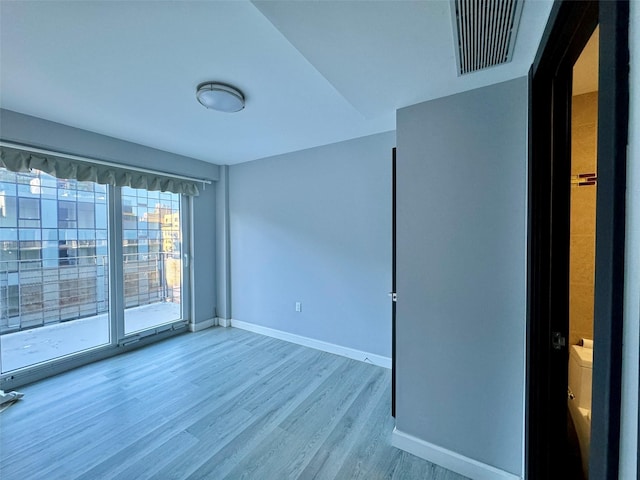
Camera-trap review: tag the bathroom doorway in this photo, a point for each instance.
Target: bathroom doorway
(582, 254)
(553, 266)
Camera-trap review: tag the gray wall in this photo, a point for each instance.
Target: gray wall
(461, 272)
(223, 261)
(315, 227)
(19, 128)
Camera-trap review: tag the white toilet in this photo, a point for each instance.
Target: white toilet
(580, 379)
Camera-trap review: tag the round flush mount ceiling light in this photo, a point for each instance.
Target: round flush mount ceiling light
(221, 97)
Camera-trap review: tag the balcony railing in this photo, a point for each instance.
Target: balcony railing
(33, 295)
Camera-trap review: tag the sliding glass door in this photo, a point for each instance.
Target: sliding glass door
(65, 288)
(152, 258)
(54, 275)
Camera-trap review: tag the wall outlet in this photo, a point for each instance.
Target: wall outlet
(298, 306)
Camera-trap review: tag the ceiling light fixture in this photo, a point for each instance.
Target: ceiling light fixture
(221, 97)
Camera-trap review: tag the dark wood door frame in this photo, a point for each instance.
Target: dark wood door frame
(568, 29)
(613, 119)
(393, 282)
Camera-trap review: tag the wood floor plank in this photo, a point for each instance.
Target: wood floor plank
(332, 454)
(221, 403)
(362, 457)
(149, 465)
(279, 399)
(210, 413)
(306, 427)
(136, 424)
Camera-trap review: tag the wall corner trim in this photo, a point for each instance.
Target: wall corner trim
(352, 353)
(223, 322)
(448, 459)
(196, 327)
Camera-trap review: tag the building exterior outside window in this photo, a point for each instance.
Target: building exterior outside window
(54, 264)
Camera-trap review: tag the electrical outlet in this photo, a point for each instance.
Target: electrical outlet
(298, 306)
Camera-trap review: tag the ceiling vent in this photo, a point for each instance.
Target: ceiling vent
(485, 32)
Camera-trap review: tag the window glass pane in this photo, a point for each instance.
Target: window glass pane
(23, 178)
(87, 235)
(28, 223)
(54, 293)
(29, 191)
(67, 252)
(8, 234)
(29, 208)
(10, 305)
(101, 193)
(28, 212)
(142, 217)
(49, 213)
(100, 216)
(101, 253)
(67, 215)
(66, 184)
(49, 254)
(50, 234)
(85, 197)
(8, 189)
(68, 234)
(66, 192)
(8, 211)
(8, 257)
(30, 254)
(152, 258)
(29, 234)
(130, 250)
(129, 217)
(7, 176)
(143, 246)
(154, 217)
(86, 215)
(48, 181)
(154, 241)
(50, 193)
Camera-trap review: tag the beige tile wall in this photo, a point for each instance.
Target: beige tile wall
(583, 217)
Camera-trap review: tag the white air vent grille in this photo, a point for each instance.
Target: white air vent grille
(485, 32)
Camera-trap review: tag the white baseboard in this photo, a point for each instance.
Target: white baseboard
(223, 322)
(453, 461)
(196, 327)
(313, 343)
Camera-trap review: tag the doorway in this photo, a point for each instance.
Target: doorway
(582, 236)
(549, 335)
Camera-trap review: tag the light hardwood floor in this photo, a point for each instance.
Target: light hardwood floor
(221, 403)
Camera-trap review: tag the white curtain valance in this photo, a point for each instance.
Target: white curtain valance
(17, 160)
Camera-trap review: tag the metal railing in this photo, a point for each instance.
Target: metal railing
(34, 294)
(151, 278)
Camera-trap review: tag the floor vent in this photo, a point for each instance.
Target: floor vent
(485, 32)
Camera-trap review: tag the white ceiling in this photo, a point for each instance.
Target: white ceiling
(313, 73)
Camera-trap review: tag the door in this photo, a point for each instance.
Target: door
(152, 258)
(54, 276)
(393, 283)
(85, 267)
(569, 28)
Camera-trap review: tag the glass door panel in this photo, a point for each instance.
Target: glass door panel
(152, 258)
(54, 275)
